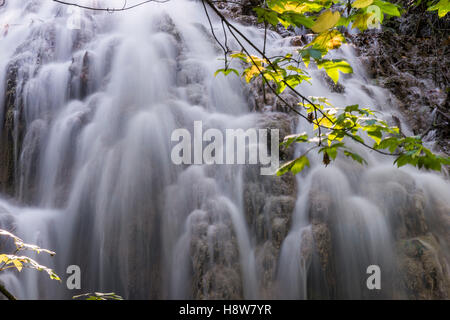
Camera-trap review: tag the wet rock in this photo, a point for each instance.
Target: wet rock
(268, 205)
(6, 219)
(404, 204)
(285, 123)
(334, 87)
(166, 25)
(79, 77)
(215, 262)
(241, 11)
(406, 58)
(324, 249)
(320, 210)
(220, 283)
(298, 41)
(12, 131)
(30, 159)
(273, 221)
(425, 274)
(266, 264)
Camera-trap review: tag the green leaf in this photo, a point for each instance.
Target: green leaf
(299, 20)
(311, 53)
(332, 153)
(300, 164)
(390, 143)
(239, 55)
(332, 150)
(402, 160)
(295, 166)
(332, 68)
(352, 108)
(226, 72)
(267, 15)
(355, 157)
(376, 135)
(442, 6)
(387, 8)
(288, 140)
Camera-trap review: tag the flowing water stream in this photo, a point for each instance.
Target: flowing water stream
(86, 117)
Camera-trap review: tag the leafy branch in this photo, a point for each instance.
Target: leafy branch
(332, 124)
(8, 261)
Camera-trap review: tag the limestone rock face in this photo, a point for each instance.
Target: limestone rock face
(38, 50)
(406, 57)
(216, 272)
(423, 268)
(11, 126)
(268, 205)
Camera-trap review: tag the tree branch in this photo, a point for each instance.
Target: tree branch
(232, 28)
(6, 293)
(110, 9)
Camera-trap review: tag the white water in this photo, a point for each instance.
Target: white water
(94, 181)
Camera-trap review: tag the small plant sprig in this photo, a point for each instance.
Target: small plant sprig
(19, 262)
(98, 296)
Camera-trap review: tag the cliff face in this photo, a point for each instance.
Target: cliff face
(6, 137)
(412, 66)
(410, 57)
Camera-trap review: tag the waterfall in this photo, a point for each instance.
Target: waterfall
(86, 117)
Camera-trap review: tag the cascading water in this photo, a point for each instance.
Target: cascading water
(86, 121)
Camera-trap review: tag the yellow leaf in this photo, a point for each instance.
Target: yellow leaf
(361, 21)
(255, 69)
(361, 3)
(3, 258)
(324, 122)
(328, 40)
(251, 72)
(18, 264)
(326, 20)
(335, 42)
(256, 60)
(290, 6)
